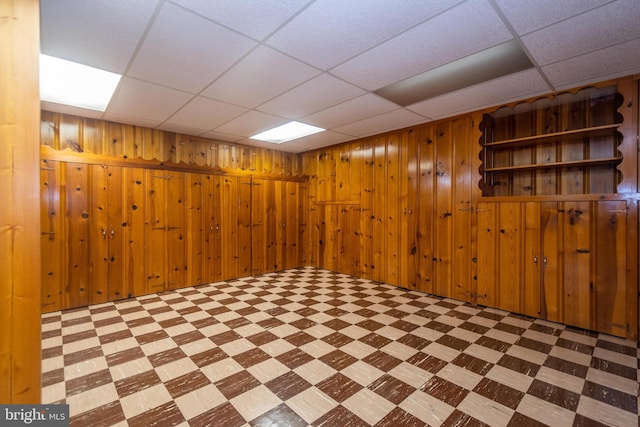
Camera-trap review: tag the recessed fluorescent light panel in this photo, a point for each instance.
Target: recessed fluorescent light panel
(287, 132)
(70, 83)
(501, 60)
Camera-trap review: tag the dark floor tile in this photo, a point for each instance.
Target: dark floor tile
(500, 393)
(381, 360)
(453, 342)
(554, 394)
(493, 344)
(337, 339)
(460, 419)
(582, 421)
(188, 337)
(617, 348)
(340, 417)
(427, 362)
(519, 365)
(404, 326)
(575, 346)
(438, 326)
(614, 368)
(339, 387)
(251, 357)
(151, 337)
(566, 366)
(611, 396)
(262, 338)
(445, 391)
(300, 338)
(87, 382)
(167, 414)
(338, 360)
(115, 336)
(474, 327)
(209, 357)
(124, 356)
(225, 337)
(82, 355)
(167, 356)
(414, 341)
(520, 420)
(281, 415)
(136, 383)
(52, 377)
(294, 358)
(68, 339)
(106, 415)
(534, 345)
(399, 418)
(186, 383)
(473, 364)
(288, 385)
(236, 384)
(391, 388)
(375, 340)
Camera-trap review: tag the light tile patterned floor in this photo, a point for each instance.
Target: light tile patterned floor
(312, 347)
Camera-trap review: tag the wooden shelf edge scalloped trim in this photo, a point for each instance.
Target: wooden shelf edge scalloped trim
(539, 139)
(555, 165)
(48, 153)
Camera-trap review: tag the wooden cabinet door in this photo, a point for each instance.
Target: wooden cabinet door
(176, 229)
(229, 227)
(196, 232)
(106, 241)
(157, 223)
(54, 237)
(135, 245)
(212, 223)
(610, 268)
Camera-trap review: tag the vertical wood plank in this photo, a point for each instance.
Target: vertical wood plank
(426, 209)
(176, 230)
(487, 244)
(156, 226)
(244, 226)
(578, 292)
(53, 241)
(78, 289)
(552, 269)
(531, 259)
(20, 340)
(462, 209)
(610, 249)
(393, 214)
(379, 210)
(196, 233)
(443, 211)
(117, 288)
(99, 237)
(367, 218)
(134, 234)
(509, 256)
(213, 224)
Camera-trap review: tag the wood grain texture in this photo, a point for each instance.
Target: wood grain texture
(20, 239)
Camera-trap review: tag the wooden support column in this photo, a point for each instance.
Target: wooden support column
(19, 202)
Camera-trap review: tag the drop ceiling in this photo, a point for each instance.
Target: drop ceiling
(229, 69)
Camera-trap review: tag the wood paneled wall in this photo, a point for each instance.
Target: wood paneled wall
(19, 214)
(396, 208)
(115, 227)
(92, 136)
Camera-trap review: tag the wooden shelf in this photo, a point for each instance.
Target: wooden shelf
(553, 137)
(567, 164)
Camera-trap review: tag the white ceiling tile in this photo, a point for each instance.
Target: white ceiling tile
(188, 59)
(461, 31)
(527, 16)
(503, 90)
(147, 101)
(585, 33)
(219, 136)
(317, 94)
(384, 122)
(205, 113)
(260, 76)
(250, 123)
(131, 120)
(170, 127)
(102, 34)
(254, 18)
(351, 111)
(331, 31)
(70, 109)
(322, 139)
(616, 61)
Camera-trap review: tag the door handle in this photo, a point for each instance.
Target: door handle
(113, 233)
(535, 260)
(104, 233)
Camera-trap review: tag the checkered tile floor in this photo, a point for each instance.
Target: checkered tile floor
(312, 347)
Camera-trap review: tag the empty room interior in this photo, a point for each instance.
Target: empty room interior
(321, 212)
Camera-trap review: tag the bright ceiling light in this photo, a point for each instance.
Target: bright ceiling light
(287, 132)
(70, 83)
